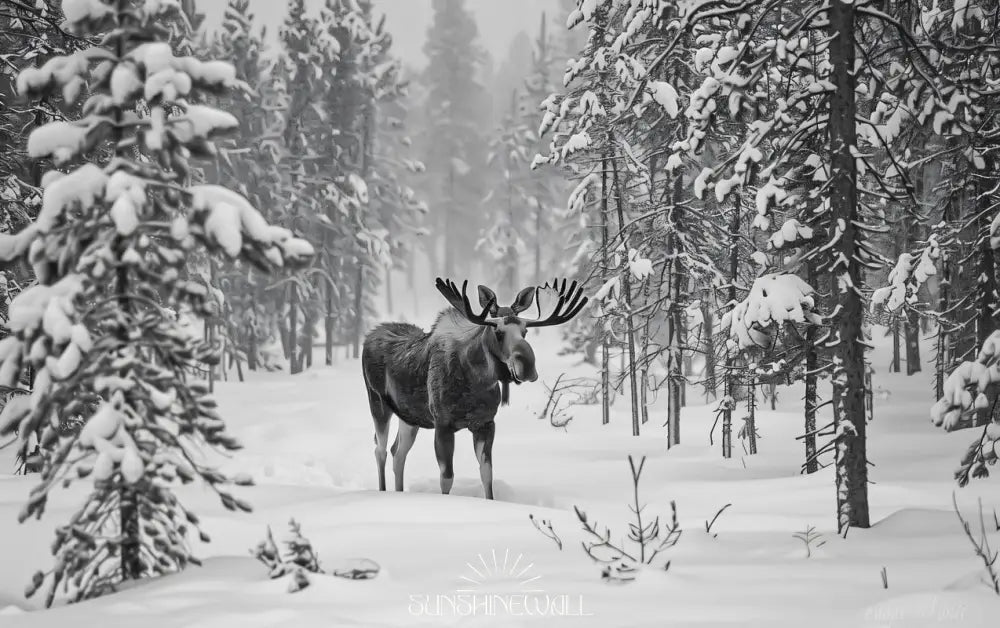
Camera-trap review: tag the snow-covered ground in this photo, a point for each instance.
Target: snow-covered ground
(309, 446)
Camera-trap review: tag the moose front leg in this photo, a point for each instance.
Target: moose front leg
(482, 441)
(444, 447)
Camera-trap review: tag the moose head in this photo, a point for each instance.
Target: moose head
(507, 342)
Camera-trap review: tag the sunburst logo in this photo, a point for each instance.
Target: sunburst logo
(498, 583)
(489, 569)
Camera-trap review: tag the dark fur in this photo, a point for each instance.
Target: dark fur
(402, 364)
(451, 378)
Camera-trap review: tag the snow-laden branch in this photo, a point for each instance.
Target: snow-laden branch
(773, 301)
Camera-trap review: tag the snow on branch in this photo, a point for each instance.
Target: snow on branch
(906, 277)
(774, 299)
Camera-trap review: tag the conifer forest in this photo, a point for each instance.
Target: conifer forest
(617, 313)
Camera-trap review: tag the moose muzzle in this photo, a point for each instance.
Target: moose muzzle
(522, 363)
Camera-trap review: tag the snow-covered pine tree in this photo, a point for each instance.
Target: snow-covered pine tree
(453, 147)
(307, 58)
(246, 315)
(30, 33)
(108, 249)
(819, 107)
(582, 141)
(546, 188)
(396, 212)
(504, 239)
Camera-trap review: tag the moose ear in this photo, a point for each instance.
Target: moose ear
(524, 300)
(488, 298)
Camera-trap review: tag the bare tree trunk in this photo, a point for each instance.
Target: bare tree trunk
(605, 353)
(538, 243)
(627, 293)
(388, 290)
(849, 374)
(894, 366)
(449, 238)
(812, 382)
(708, 342)
(675, 373)
(359, 306)
(295, 362)
(644, 360)
(328, 326)
(750, 424)
(911, 332)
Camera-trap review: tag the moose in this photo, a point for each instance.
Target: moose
(455, 376)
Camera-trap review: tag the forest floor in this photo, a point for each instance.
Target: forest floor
(309, 447)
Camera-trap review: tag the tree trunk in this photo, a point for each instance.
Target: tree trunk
(388, 291)
(328, 326)
(849, 374)
(911, 331)
(605, 352)
(295, 362)
(359, 306)
(750, 424)
(644, 360)
(894, 366)
(812, 383)
(449, 219)
(675, 374)
(627, 293)
(708, 342)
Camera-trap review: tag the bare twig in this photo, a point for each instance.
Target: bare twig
(545, 527)
(885, 578)
(709, 524)
(981, 545)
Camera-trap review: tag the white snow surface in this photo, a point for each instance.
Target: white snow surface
(308, 445)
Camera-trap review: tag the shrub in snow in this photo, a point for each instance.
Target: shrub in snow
(300, 560)
(981, 545)
(650, 538)
(110, 250)
(812, 539)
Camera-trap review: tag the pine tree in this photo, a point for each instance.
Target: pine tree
(453, 144)
(246, 307)
(109, 250)
(504, 241)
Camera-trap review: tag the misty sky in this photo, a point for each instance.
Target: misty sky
(407, 20)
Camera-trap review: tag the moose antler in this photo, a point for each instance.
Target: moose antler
(460, 301)
(569, 305)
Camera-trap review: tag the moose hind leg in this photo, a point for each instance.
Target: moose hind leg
(380, 415)
(405, 436)
(482, 441)
(444, 448)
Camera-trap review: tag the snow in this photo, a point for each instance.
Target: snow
(576, 142)
(315, 463)
(791, 232)
(125, 83)
(774, 299)
(77, 11)
(85, 185)
(204, 121)
(230, 217)
(665, 95)
(62, 140)
(640, 267)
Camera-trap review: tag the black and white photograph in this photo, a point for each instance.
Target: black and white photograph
(502, 313)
